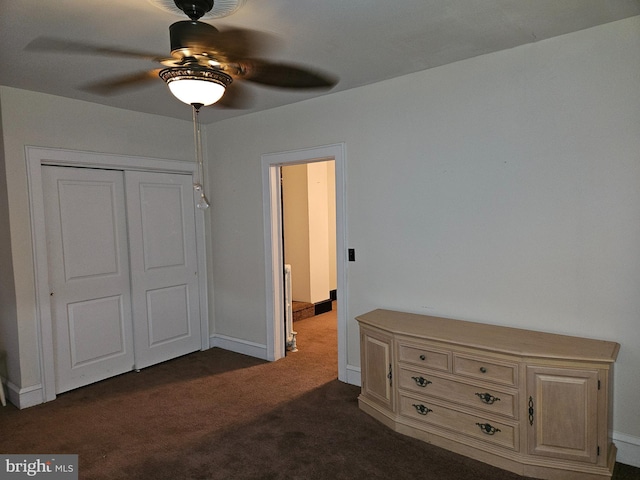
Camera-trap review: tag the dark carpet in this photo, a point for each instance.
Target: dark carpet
(221, 415)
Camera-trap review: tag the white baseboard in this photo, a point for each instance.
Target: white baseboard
(628, 449)
(239, 346)
(25, 397)
(353, 375)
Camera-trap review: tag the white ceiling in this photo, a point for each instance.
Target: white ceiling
(359, 41)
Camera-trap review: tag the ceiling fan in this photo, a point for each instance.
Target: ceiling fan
(204, 62)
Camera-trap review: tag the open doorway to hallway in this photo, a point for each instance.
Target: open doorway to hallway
(274, 253)
(308, 210)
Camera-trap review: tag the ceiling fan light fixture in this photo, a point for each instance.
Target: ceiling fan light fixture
(192, 85)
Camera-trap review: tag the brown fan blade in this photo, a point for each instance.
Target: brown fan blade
(236, 44)
(47, 44)
(282, 75)
(235, 97)
(116, 85)
(195, 39)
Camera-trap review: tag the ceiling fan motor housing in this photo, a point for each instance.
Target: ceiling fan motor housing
(189, 38)
(194, 8)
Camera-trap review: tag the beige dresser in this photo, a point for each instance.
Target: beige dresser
(533, 403)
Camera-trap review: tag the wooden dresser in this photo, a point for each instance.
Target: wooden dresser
(533, 403)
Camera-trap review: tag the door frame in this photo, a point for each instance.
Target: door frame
(274, 255)
(36, 157)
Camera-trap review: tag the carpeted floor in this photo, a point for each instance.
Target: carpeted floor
(220, 415)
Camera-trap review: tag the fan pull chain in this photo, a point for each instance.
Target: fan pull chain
(198, 185)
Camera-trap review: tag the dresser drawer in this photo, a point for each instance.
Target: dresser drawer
(490, 370)
(481, 398)
(439, 415)
(424, 356)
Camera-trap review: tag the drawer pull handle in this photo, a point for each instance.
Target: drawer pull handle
(423, 357)
(531, 411)
(488, 428)
(421, 409)
(487, 398)
(421, 381)
(483, 370)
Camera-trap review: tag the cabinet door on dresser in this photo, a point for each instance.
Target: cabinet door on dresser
(376, 358)
(563, 413)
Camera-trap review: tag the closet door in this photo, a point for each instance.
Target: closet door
(164, 269)
(88, 274)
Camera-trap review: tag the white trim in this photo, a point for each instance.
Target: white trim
(41, 275)
(271, 190)
(25, 397)
(273, 244)
(78, 158)
(628, 449)
(239, 346)
(36, 157)
(354, 376)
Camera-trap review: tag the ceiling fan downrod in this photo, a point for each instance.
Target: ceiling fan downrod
(194, 9)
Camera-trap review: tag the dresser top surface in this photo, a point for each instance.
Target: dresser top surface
(495, 338)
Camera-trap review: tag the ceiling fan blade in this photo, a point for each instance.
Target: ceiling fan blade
(47, 44)
(283, 75)
(198, 39)
(235, 97)
(116, 85)
(237, 43)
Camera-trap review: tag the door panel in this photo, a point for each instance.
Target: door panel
(377, 376)
(164, 273)
(565, 406)
(88, 223)
(89, 274)
(168, 312)
(95, 330)
(162, 222)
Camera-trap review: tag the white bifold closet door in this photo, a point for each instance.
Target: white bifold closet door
(164, 266)
(122, 271)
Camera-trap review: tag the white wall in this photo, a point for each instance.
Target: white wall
(318, 231)
(295, 223)
(501, 189)
(309, 222)
(35, 119)
(8, 326)
(332, 229)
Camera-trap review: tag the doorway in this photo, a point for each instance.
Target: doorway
(309, 243)
(274, 251)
